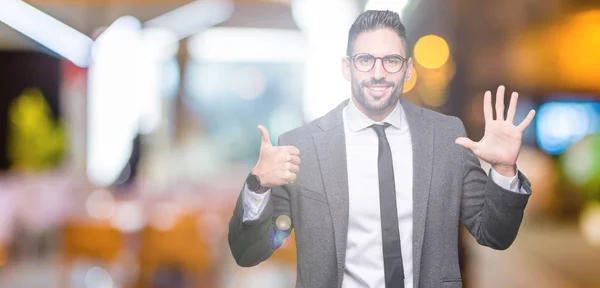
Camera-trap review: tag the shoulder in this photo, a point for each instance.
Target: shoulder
(450, 124)
(446, 129)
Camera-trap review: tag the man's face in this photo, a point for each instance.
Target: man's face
(377, 89)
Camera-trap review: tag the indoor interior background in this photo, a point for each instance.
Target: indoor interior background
(128, 127)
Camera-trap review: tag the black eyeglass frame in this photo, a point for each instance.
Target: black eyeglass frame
(403, 59)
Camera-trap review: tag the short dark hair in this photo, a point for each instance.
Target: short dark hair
(374, 19)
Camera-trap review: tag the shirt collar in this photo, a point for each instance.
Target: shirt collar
(358, 121)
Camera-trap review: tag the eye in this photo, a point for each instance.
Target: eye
(393, 60)
(364, 59)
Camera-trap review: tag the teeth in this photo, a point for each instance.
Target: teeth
(378, 89)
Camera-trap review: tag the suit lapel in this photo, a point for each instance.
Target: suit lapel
(331, 152)
(421, 132)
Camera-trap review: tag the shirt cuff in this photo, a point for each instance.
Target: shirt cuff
(512, 184)
(254, 203)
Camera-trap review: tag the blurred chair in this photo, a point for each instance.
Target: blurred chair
(179, 249)
(3, 254)
(95, 241)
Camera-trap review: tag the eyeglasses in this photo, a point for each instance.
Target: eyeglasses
(365, 62)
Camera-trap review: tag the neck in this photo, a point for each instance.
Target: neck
(376, 116)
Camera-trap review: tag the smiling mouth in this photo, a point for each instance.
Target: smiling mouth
(378, 90)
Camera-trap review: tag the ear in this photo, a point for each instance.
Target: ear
(346, 68)
(409, 69)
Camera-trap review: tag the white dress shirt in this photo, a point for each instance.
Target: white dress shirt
(364, 252)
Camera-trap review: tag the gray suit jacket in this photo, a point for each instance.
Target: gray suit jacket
(449, 186)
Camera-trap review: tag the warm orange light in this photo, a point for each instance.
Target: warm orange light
(577, 49)
(441, 76)
(434, 96)
(433, 83)
(560, 56)
(431, 51)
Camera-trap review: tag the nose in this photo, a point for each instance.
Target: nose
(378, 70)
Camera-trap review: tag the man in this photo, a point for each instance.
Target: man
(376, 188)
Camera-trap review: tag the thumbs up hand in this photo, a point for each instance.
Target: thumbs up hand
(277, 165)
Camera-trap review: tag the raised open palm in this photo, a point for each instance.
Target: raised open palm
(501, 142)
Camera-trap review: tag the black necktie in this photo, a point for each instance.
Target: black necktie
(392, 253)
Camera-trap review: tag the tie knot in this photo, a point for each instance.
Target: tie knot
(380, 128)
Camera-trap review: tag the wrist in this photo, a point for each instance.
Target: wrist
(255, 182)
(506, 170)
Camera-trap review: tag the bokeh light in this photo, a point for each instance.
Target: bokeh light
(560, 56)
(283, 222)
(577, 46)
(581, 164)
(164, 217)
(170, 106)
(431, 51)
(98, 277)
(125, 81)
(128, 217)
(590, 223)
(221, 44)
(440, 76)
(431, 95)
(278, 237)
(100, 204)
(433, 83)
(559, 124)
(251, 83)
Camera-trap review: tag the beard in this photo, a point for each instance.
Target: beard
(368, 102)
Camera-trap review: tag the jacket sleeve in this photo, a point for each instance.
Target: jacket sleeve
(254, 241)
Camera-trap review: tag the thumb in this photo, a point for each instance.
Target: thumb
(265, 141)
(466, 142)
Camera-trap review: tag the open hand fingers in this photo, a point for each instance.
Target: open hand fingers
(510, 115)
(487, 107)
(525, 123)
(500, 103)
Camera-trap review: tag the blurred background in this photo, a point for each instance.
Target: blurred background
(127, 128)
